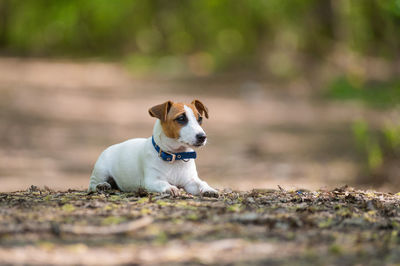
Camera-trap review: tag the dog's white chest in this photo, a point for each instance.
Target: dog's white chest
(176, 173)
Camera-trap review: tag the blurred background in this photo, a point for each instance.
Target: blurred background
(301, 93)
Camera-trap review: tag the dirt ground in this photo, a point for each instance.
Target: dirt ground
(57, 116)
(260, 227)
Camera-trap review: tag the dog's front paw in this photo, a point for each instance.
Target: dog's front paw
(173, 191)
(211, 193)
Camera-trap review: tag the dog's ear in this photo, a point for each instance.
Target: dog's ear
(200, 107)
(160, 111)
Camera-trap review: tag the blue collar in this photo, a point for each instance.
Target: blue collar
(171, 157)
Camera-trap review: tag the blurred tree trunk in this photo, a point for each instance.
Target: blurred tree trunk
(340, 10)
(4, 15)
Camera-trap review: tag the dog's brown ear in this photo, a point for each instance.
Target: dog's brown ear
(160, 111)
(200, 107)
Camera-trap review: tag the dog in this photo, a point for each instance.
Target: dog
(161, 163)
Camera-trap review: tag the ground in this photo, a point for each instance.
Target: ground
(342, 226)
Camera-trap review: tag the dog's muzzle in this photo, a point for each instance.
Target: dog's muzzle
(200, 139)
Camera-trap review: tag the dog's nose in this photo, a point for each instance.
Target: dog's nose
(201, 137)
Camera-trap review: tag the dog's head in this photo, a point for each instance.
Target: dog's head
(182, 121)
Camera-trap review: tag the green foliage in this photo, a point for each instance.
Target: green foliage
(205, 35)
(377, 146)
(368, 144)
(391, 134)
(375, 94)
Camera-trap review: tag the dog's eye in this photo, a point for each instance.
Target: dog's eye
(200, 119)
(181, 119)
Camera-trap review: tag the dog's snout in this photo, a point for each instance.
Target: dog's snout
(201, 137)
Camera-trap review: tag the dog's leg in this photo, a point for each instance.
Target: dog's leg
(99, 178)
(198, 187)
(157, 185)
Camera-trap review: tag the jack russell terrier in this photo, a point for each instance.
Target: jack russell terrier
(162, 163)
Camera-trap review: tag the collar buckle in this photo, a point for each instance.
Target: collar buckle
(169, 159)
(173, 157)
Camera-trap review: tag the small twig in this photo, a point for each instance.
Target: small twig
(281, 189)
(162, 196)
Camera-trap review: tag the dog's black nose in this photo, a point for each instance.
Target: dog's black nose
(201, 137)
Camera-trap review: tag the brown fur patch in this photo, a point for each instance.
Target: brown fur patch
(201, 108)
(160, 111)
(171, 127)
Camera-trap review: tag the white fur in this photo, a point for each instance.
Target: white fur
(135, 164)
(188, 133)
